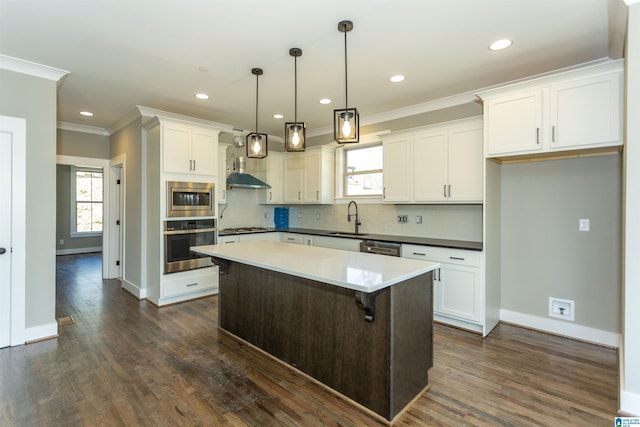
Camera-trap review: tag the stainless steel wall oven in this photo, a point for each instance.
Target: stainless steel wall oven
(190, 199)
(179, 236)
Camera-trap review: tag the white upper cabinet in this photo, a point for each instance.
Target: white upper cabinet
(270, 171)
(586, 112)
(396, 170)
(189, 149)
(515, 124)
(435, 164)
(574, 110)
(309, 176)
(221, 187)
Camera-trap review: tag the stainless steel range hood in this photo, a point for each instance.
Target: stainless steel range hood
(241, 179)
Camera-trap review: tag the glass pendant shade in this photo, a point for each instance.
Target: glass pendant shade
(256, 142)
(295, 132)
(294, 136)
(256, 145)
(346, 126)
(346, 122)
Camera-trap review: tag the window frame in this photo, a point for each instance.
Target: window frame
(73, 214)
(341, 173)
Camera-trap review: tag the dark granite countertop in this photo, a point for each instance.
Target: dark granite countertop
(444, 243)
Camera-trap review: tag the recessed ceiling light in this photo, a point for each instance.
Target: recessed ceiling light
(86, 113)
(500, 44)
(397, 78)
(278, 116)
(201, 96)
(325, 101)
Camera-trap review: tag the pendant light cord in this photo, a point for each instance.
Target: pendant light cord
(257, 77)
(346, 82)
(295, 90)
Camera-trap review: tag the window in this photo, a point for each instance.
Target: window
(363, 171)
(86, 201)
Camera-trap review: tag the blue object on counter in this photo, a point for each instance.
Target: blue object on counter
(281, 217)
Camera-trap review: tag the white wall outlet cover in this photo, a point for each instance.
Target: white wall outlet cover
(562, 308)
(584, 225)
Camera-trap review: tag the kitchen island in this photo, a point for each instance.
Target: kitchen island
(361, 324)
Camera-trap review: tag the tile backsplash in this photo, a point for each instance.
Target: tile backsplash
(458, 222)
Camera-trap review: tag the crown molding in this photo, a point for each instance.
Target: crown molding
(31, 68)
(82, 128)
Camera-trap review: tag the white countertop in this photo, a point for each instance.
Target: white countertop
(351, 270)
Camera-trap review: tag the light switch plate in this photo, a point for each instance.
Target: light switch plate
(583, 225)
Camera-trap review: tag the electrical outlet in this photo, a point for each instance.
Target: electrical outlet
(317, 216)
(266, 215)
(418, 219)
(562, 308)
(402, 219)
(584, 225)
(62, 241)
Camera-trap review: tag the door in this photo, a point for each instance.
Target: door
(5, 239)
(115, 232)
(465, 165)
(13, 212)
(396, 170)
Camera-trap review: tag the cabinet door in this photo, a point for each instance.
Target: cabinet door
(459, 293)
(274, 179)
(465, 160)
(293, 176)
(514, 123)
(221, 174)
(312, 177)
(396, 170)
(176, 156)
(430, 167)
(204, 152)
(585, 112)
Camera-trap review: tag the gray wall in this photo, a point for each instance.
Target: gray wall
(82, 144)
(34, 99)
(128, 141)
(543, 254)
(64, 215)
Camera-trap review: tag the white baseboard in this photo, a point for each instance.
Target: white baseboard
(630, 403)
(562, 327)
(133, 289)
(78, 251)
(37, 333)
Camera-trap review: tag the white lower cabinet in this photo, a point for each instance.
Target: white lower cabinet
(346, 244)
(196, 283)
(234, 238)
(458, 285)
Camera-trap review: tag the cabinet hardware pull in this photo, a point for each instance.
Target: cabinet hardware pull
(449, 190)
(384, 192)
(298, 195)
(537, 135)
(192, 284)
(317, 194)
(458, 258)
(444, 190)
(418, 253)
(553, 133)
(270, 195)
(194, 165)
(224, 194)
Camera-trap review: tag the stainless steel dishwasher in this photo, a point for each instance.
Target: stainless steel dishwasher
(380, 248)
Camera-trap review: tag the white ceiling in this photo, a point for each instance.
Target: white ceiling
(160, 53)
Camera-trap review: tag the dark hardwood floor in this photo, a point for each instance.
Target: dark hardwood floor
(125, 362)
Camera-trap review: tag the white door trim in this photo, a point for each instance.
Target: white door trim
(106, 192)
(118, 162)
(18, 128)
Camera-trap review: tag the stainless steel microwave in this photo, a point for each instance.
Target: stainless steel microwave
(187, 199)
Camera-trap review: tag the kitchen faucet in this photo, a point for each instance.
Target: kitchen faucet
(357, 220)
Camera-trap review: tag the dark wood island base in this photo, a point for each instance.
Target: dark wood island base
(375, 349)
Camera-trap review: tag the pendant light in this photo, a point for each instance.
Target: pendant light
(256, 142)
(294, 133)
(346, 123)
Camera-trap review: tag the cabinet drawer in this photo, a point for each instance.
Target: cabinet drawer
(190, 283)
(291, 238)
(436, 254)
